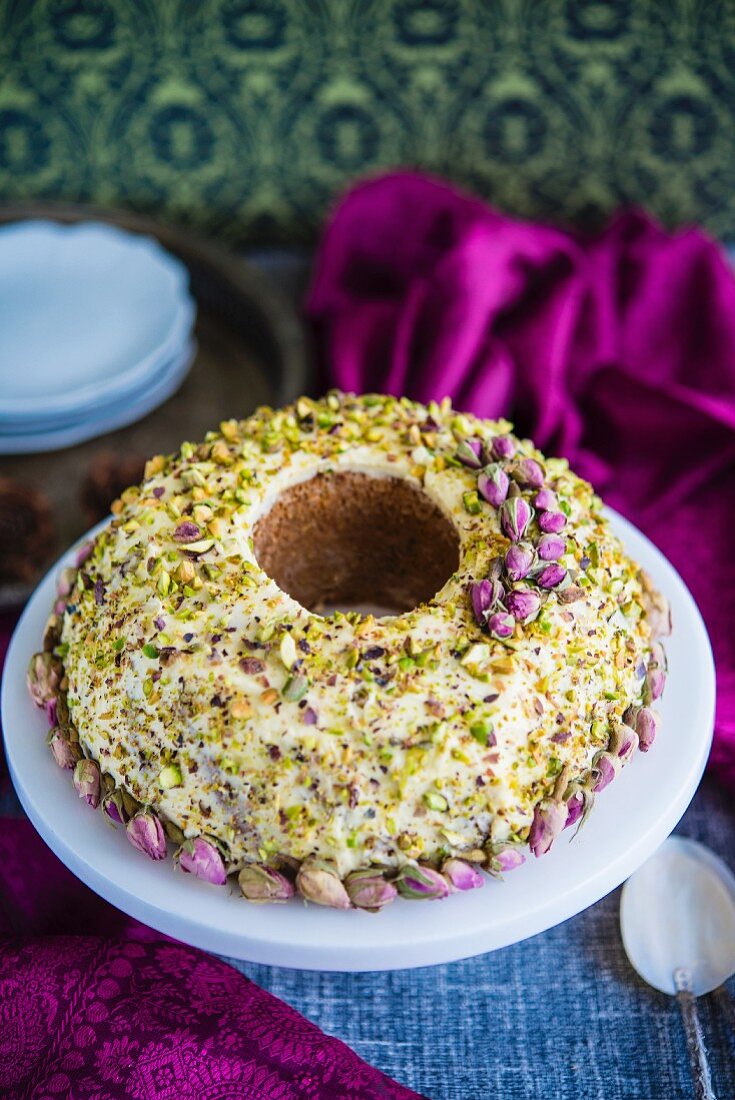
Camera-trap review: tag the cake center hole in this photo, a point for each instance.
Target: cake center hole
(347, 541)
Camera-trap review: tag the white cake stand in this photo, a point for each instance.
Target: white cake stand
(630, 820)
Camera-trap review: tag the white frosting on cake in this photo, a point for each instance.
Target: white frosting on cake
(214, 697)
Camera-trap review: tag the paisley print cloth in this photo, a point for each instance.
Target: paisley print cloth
(83, 1018)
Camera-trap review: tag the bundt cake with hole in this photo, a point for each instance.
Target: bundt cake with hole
(207, 690)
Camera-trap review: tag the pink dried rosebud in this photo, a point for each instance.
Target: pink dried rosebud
(261, 883)
(628, 744)
(503, 859)
(552, 522)
(575, 809)
(202, 858)
(515, 516)
(501, 625)
(481, 594)
(65, 753)
(421, 883)
(65, 583)
(527, 472)
(113, 806)
(604, 771)
(87, 782)
(656, 606)
(187, 532)
(523, 603)
(653, 688)
(546, 500)
(319, 882)
(43, 677)
(145, 832)
(84, 553)
(519, 561)
(549, 818)
(503, 447)
(551, 575)
(469, 453)
(551, 547)
(492, 484)
(369, 889)
(462, 875)
(646, 726)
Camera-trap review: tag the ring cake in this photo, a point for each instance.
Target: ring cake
(206, 692)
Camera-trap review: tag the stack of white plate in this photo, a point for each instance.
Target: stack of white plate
(95, 332)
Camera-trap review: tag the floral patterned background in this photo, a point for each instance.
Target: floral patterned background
(246, 117)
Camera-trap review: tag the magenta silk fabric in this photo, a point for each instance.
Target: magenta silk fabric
(616, 351)
(84, 1018)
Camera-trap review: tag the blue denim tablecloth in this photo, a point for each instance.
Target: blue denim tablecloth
(559, 1017)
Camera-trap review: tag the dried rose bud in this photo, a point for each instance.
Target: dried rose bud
(84, 553)
(515, 516)
(421, 883)
(653, 687)
(492, 484)
(628, 744)
(519, 560)
(604, 770)
(52, 711)
(503, 447)
(145, 832)
(551, 547)
(462, 875)
(523, 603)
(44, 677)
(469, 453)
(504, 858)
(261, 883)
(551, 575)
(65, 753)
(187, 532)
(549, 818)
(546, 500)
(202, 858)
(65, 582)
(656, 606)
(575, 809)
(552, 522)
(369, 889)
(481, 595)
(527, 472)
(501, 625)
(319, 882)
(646, 726)
(113, 806)
(87, 782)
(52, 632)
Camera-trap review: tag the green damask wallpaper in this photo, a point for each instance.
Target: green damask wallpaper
(246, 117)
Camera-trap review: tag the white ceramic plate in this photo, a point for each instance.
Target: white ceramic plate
(630, 820)
(86, 312)
(162, 386)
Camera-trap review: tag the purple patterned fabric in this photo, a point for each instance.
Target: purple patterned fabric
(617, 351)
(83, 1018)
